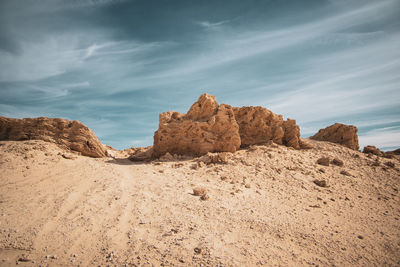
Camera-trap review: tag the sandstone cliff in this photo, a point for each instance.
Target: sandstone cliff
(66, 134)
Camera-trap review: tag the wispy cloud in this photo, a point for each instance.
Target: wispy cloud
(341, 65)
(208, 25)
(385, 138)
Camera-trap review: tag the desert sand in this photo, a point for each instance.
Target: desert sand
(266, 205)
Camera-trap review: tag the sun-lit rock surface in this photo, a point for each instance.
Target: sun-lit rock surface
(339, 133)
(258, 125)
(207, 127)
(67, 134)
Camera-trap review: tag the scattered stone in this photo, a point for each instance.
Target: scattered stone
(344, 172)
(205, 197)
(247, 185)
(219, 158)
(68, 156)
(195, 166)
(360, 237)
(199, 191)
(337, 162)
(390, 164)
(24, 258)
(197, 250)
(342, 134)
(320, 183)
(323, 161)
(376, 163)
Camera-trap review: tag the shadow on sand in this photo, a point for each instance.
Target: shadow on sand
(126, 161)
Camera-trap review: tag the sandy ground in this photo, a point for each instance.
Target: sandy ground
(263, 209)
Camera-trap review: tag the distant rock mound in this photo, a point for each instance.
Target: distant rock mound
(373, 150)
(258, 125)
(342, 134)
(207, 127)
(66, 134)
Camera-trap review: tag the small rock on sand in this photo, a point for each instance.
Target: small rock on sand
(323, 161)
(199, 191)
(346, 173)
(68, 156)
(337, 162)
(320, 183)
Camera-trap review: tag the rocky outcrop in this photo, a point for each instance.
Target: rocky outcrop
(342, 134)
(373, 150)
(207, 127)
(66, 134)
(258, 125)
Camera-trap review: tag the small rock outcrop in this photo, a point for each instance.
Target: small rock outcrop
(342, 134)
(323, 161)
(142, 154)
(66, 134)
(258, 125)
(373, 150)
(207, 127)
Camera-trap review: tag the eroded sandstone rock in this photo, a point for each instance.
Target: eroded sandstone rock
(373, 150)
(142, 154)
(342, 134)
(207, 127)
(66, 134)
(258, 125)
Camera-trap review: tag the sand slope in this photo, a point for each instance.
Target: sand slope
(264, 209)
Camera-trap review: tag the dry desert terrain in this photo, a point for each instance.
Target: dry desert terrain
(266, 205)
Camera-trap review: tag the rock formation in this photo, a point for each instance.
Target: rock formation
(142, 154)
(373, 150)
(258, 125)
(66, 134)
(342, 134)
(207, 127)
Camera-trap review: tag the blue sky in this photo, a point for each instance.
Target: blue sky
(115, 65)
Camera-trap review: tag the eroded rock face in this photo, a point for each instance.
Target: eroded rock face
(258, 125)
(207, 127)
(66, 134)
(342, 134)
